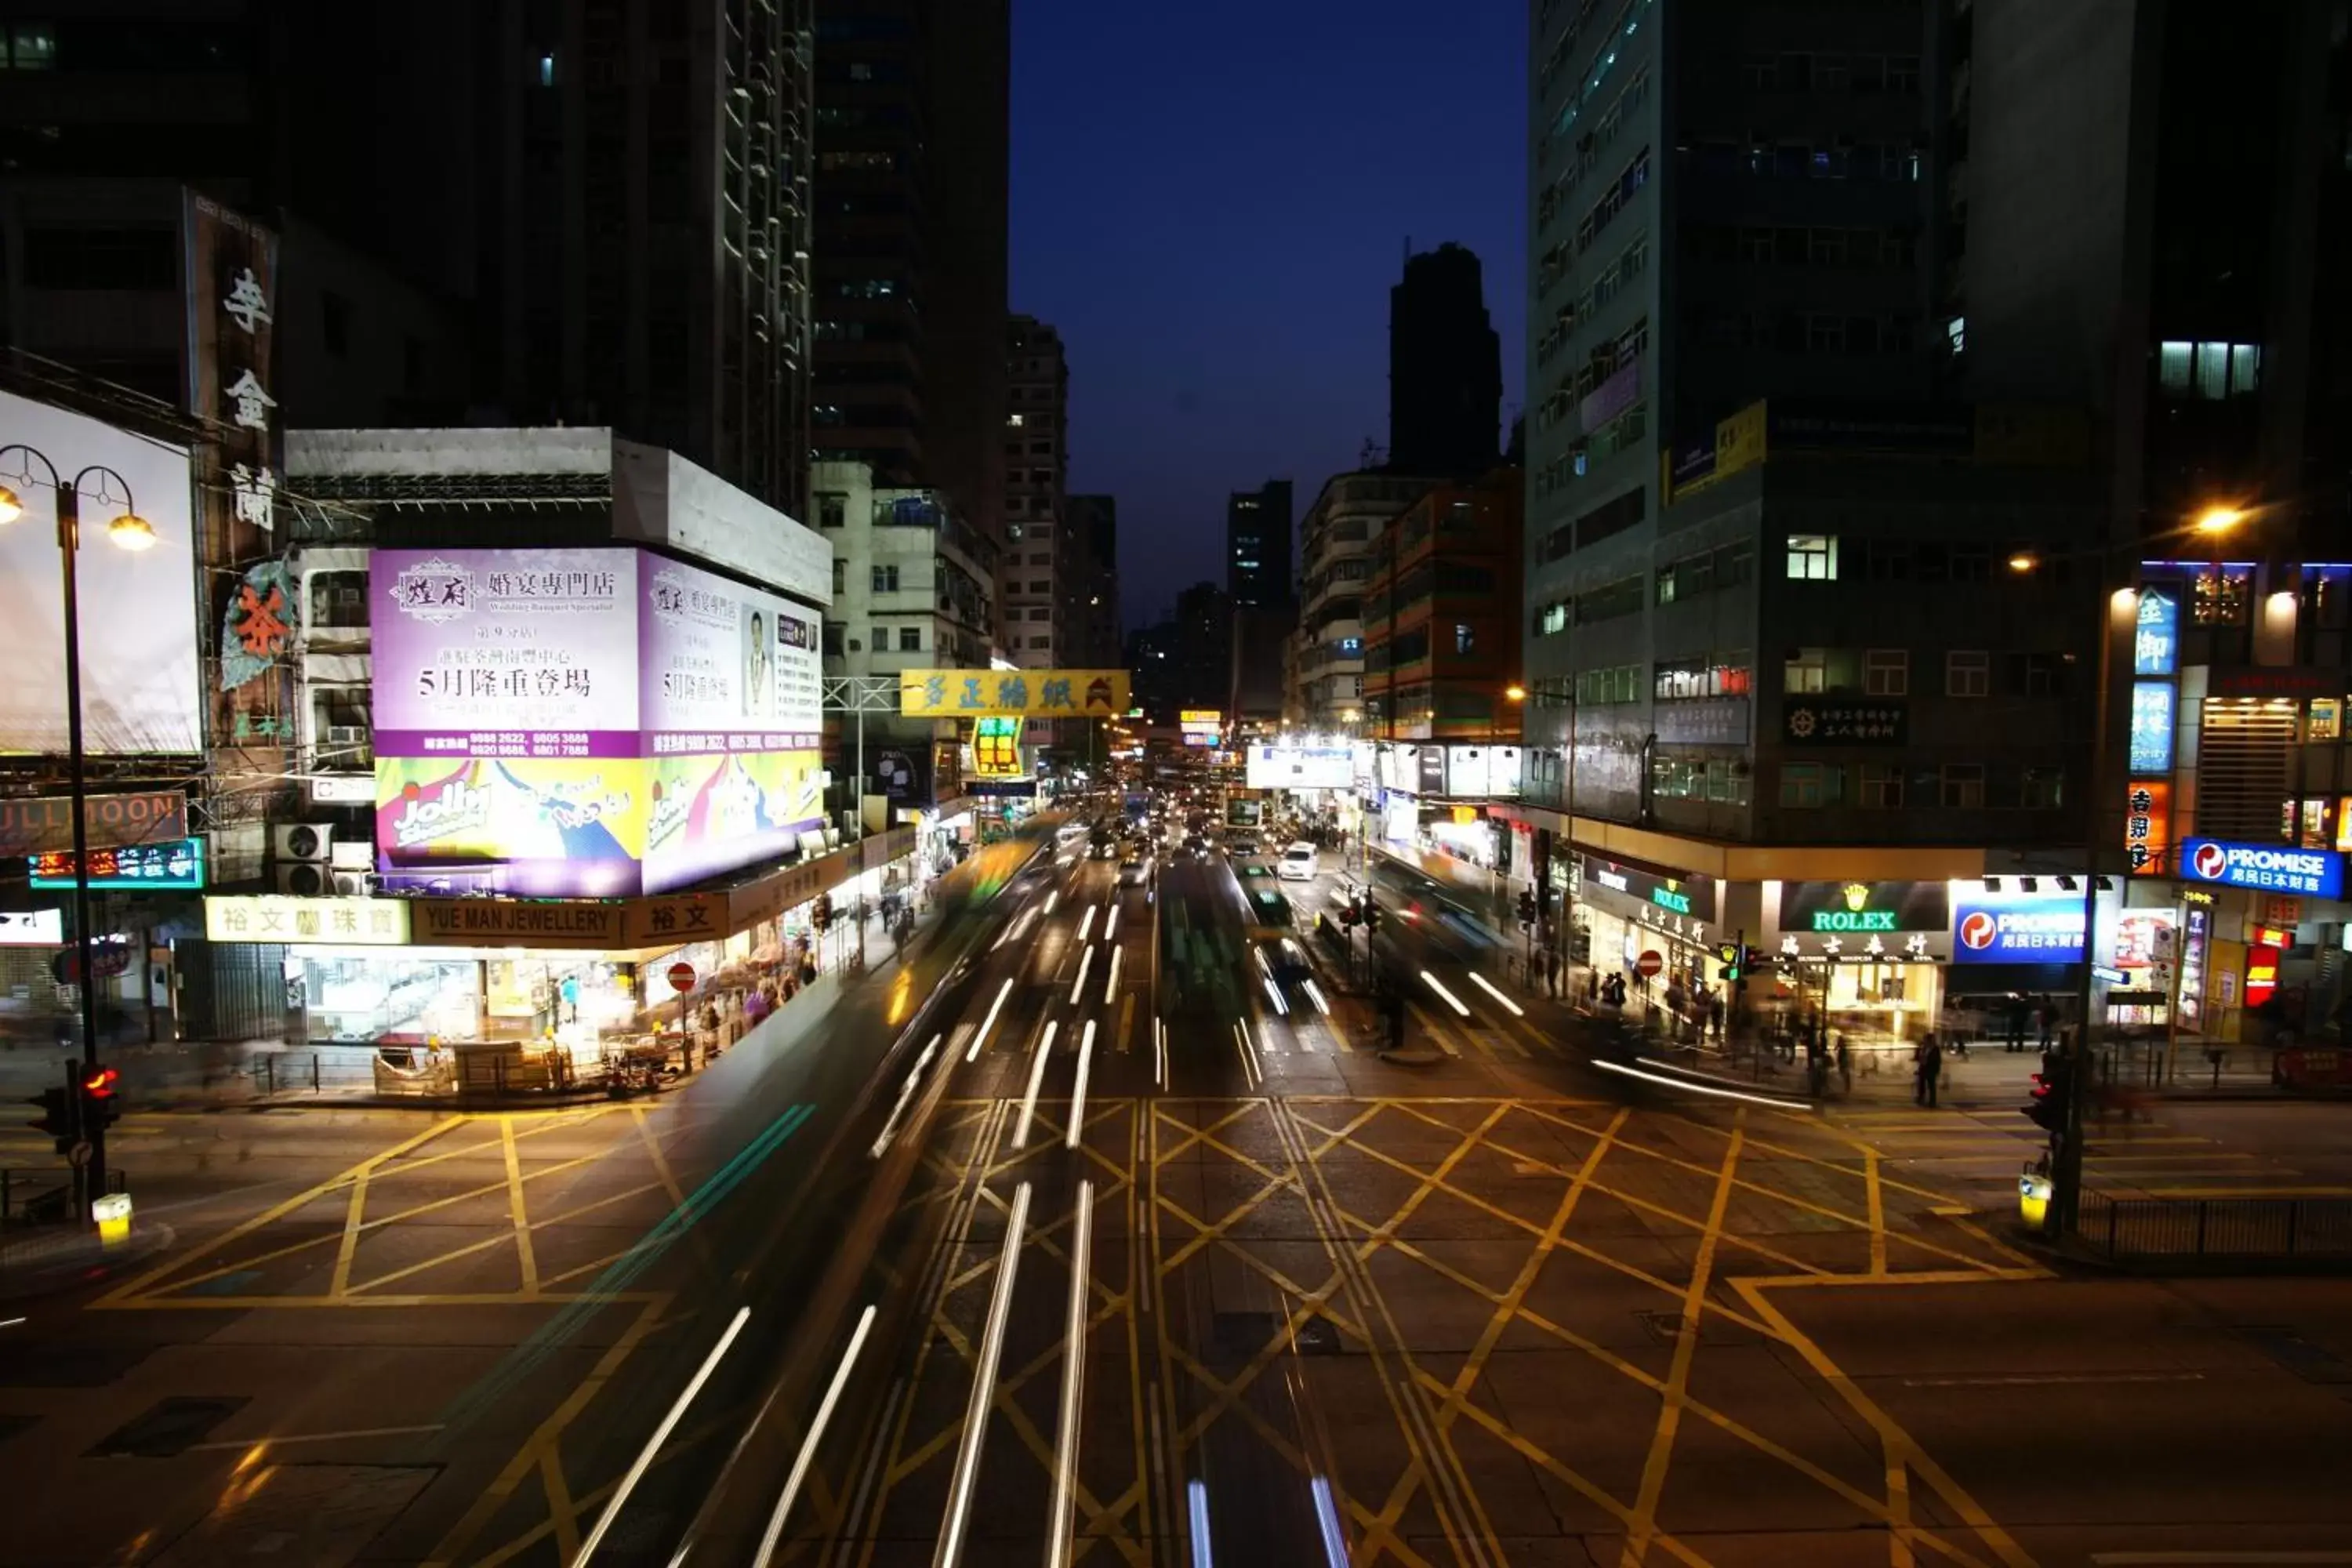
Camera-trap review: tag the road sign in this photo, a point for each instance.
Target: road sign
(79, 1155)
(1649, 964)
(681, 976)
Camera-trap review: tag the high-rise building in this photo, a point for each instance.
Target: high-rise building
(617, 196)
(1042, 562)
(1445, 367)
(1441, 616)
(910, 215)
(1094, 528)
(1337, 533)
(1771, 609)
(1257, 545)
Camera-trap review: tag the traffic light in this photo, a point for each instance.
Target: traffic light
(1729, 953)
(59, 1117)
(1349, 915)
(1527, 908)
(101, 1106)
(2051, 1087)
(1371, 916)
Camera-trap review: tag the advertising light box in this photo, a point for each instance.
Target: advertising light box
(1300, 767)
(594, 721)
(2015, 927)
(2272, 867)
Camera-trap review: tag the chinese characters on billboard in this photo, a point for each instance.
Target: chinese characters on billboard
(595, 721)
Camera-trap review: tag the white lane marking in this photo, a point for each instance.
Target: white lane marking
(10, 1322)
(1196, 1504)
(1086, 925)
(1110, 987)
(1078, 986)
(1315, 995)
(1450, 1000)
(644, 1459)
(984, 1389)
(1074, 1372)
(1159, 1052)
(1079, 1093)
(1053, 898)
(808, 1444)
(1251, 1075)
(1042, 1054)
(1110, 926)
(1483, 983)
(988, 1023)
(1701, 1088)
(1274, 994)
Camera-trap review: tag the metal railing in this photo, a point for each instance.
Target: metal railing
(2233, 1227)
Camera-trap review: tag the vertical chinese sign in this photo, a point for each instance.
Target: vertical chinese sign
(231, 273)
(2155, 702)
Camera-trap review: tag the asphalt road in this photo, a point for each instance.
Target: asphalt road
(1490, 1305)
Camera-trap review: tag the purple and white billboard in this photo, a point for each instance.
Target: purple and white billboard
(588, 721)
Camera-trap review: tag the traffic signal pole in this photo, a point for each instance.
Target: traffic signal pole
(92, 1176)
(2066, 1168)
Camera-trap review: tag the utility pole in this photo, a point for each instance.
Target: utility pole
(2067, 1169)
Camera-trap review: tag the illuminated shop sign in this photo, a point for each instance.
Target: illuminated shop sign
(176, 864)
(2318, 872)
(1863, 907)
(2151, 727)
(2017, 928)
(2156, 643)
(1693, 896)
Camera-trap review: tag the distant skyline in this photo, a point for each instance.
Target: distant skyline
(1215, 236)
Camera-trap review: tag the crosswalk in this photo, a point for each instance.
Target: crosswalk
(2155, 1158)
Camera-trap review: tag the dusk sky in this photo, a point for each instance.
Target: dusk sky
(1211, 203)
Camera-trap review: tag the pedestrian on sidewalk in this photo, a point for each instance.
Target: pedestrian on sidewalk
(1552, 972)
(2048, 1016)
(1927, 1070)
(1845, 1064)
(2021, 1012)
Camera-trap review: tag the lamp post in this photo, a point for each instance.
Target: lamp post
(128, 531)
(2117, 604)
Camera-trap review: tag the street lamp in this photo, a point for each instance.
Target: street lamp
(128, 531)
(2219, 519)
(1516, 692)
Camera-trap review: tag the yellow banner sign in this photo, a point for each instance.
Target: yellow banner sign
(342, 921)
(1030, 693)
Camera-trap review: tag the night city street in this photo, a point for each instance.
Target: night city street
(953, 784)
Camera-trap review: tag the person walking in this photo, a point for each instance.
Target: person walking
(2049, 1019)
(1845, 1064)
(1551, 970)
(1927, 1070)
(2021, 1012)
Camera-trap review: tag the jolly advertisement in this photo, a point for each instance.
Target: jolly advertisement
(593, 722)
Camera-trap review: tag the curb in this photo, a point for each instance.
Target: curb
(46, 1264)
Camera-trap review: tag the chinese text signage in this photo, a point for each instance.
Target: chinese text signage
(2270, 867)
(1026, 693)
(2148, 826)
(1863, 907)
(270, 916)
(178, 863)
(2156, 641)
(2151, 727)
(1831, 721)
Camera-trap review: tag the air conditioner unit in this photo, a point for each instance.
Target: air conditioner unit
(353, 884)
(306, 879)
(302, 841)
(353, 856)
(347, 734)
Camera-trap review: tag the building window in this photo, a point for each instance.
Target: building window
(1812, 557)
(1464, 637)
(2042, 789)
(1016, 422)
(1809, 786)
(833, 639)
(1968, 672)
(1808, 672)
(832, 509)
(840, 576)
(1041, 613)
(2045, 674)
(1885, 672)
(1882, 787)
(911, 639)
(886, 580)
(1962, 786)
(880, 641)
(547, 68)
(32, 47)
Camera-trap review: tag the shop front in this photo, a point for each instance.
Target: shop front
(1625, 912)
(1866, 958)
(541, 994)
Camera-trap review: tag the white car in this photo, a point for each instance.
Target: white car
(1297, 863)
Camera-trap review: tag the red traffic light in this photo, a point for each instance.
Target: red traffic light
(101, 1083)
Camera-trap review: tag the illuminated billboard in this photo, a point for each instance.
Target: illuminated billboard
(1027, 693)
(592, 722)
(139, 682)
(1301, 767)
